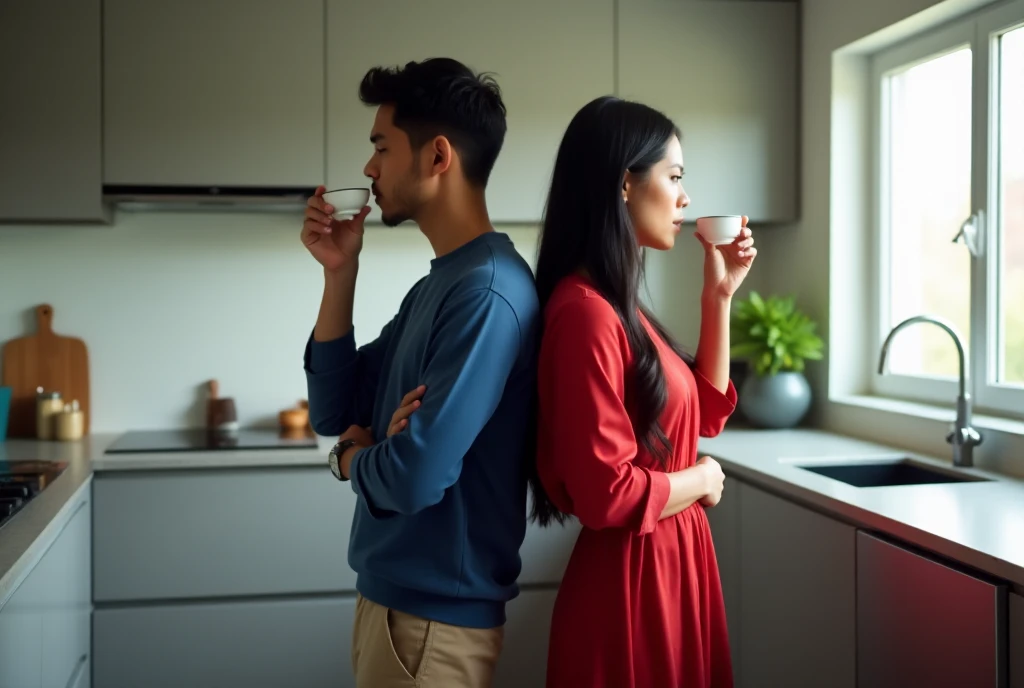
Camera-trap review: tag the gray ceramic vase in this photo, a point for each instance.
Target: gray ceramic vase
(775, 401)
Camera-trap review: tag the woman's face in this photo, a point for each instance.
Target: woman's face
(656, 203)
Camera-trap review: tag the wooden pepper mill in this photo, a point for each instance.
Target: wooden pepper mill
(221, 415)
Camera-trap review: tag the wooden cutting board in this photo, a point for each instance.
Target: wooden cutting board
(47, 360)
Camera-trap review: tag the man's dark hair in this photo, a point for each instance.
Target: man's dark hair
(442, 97)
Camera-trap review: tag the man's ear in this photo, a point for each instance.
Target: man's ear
(441, 155)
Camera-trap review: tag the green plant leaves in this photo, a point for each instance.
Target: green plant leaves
(773, 335)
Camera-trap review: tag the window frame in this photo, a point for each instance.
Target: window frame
(980, 32)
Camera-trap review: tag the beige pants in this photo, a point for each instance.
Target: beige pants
(392, 649)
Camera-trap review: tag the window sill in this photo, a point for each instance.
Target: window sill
(945, 414)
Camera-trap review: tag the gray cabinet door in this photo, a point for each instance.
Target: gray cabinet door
(51, 164)
(727, 74)
(921, 623)
(45, 625)
(797, 595)
(725, 531)
(214, 93)
(523, 661)
(21, 636)
(66, 572)
(203, 534)
(1016, 641)
(257, 644)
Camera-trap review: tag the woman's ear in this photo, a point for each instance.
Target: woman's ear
(626, 186)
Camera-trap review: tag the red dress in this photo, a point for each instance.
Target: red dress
(640, 605)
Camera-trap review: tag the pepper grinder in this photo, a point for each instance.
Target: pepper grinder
(221, 415)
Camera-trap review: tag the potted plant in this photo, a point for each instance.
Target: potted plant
(775, 339)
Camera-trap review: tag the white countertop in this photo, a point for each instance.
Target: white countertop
(980, 524)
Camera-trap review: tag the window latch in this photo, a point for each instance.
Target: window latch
(971, 233)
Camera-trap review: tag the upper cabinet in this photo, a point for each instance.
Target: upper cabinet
(726, 73)
(224, 93)
(50, 129)
(549, 59)
(264, 93)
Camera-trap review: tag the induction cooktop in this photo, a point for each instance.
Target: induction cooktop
(200, 440)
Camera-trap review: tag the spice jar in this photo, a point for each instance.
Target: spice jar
(70, 423)
(48, 404)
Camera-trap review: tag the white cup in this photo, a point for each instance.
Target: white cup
(720, 229)
(347, 202)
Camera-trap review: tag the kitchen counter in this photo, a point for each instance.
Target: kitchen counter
(980, 524)
(30, 533)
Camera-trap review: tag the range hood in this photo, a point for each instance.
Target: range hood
(208, 198)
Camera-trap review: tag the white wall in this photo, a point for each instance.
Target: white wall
(166, 301)
(797, 259)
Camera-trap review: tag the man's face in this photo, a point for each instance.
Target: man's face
(393, 167)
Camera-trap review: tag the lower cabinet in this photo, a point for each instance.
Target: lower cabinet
(524, 658)
(788, 579)
(231, 592)
(1016, 641)
(813, 601)
(273, 643)
(44, 626)
(725, 532)
(922, 623)
(257, 644)
(797, 624)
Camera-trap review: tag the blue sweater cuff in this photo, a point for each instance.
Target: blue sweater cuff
(329, 356)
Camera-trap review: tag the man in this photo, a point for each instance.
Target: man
(437, 408)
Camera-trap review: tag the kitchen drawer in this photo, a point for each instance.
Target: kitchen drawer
(220, 533)
(257, 644)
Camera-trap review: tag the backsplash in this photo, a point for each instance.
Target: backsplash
(166, 301)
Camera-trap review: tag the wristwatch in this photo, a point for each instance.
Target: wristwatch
(334, 457)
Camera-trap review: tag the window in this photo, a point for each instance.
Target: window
(949, 200)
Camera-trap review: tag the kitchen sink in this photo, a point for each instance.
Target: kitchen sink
(888, 473)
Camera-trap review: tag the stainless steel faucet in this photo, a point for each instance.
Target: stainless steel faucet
(963, 437)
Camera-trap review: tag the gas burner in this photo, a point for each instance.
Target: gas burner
(22, 481)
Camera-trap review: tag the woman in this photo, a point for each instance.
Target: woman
(620, 411)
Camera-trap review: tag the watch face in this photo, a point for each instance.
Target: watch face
(332, 460)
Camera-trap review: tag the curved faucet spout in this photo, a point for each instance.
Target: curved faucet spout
(963, 437)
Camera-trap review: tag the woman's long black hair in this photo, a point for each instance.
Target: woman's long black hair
(587, 226)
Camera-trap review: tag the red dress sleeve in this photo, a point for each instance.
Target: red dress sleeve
(715, 406)
(586, 457)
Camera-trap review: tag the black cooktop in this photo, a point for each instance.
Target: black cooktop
(21, 481)
(200, 439)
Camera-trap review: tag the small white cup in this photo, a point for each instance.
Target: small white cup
(347, 202)
(720, 229)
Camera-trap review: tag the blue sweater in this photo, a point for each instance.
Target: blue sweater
(441, 508)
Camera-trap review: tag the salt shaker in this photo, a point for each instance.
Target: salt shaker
(48, 404)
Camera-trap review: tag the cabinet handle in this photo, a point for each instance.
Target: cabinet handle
(76, 675)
